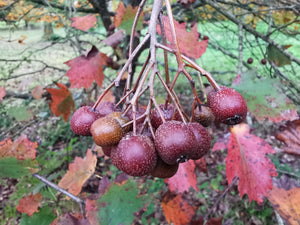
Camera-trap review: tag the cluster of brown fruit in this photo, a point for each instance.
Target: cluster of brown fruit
(173, 142)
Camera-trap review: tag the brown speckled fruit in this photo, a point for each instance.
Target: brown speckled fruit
(163, 170)
(204, 116)
(173, 141)
(121, 119)
(169, 113)
(135, 155)
(227, 105)
(202, 141)
(105, 108)
(83, 119)
(106, 132)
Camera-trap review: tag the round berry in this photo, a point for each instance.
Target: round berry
(169, 113)
(250, 61)
(164, 170)
(105, 108)
(121, 119)
(263, 61)
(204, 116)
(139, 112)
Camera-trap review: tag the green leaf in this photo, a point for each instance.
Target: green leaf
(264, 97)
(44, 217)
(13, 168)
(275, 55)
(119, 203)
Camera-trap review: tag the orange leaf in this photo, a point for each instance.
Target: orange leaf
(78, 173)
(21, 148)
(184, 178)
(62, 101)
(247, 159)
(37, 92)
(84, 23)
(177, 209)
(2, 93)
(286, 203)
(87, 68)
(188, 41)
(30, 204)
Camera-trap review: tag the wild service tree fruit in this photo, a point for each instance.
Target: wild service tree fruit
(169, 113)
(121, 119)
(202, 141)
(106, 131)
(135, 155)
(139, 112)
(227, 105)
(263, 61)
(164, 170)
(105, 108)
(173, 141)
(83, 119)
(204, 116)
(250, 61)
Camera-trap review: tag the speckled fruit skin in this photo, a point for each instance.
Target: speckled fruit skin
(105, 108)
(139, 112)
(163, 170)
(83, 119)
(169, 114)
(135, 155)
(173, 141)
(227, 105)
(205, 117)
(106, 131)
(121, 119)
(107, 150)
(202, 141)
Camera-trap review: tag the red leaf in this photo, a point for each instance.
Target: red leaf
(290, 135)
(177, 209)
(286, 203)
(30, 204)
(87, 68)
(62, 101)
(2, 93)
(188, 41)
(37, 92)
(78, 173)
(247, 159)
(84, 23)
(221, 144)
(21, 148)
(184, 178)
(201, 164)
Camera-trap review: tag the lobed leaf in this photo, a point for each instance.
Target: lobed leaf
(29, 204)
(84, 23)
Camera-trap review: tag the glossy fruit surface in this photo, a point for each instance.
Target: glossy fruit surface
(135, 155)
(250, 60)
(173, 141)
(202, 141)
(227, 105)
(263, 61)
(163, 170)
(106, 132)
(121, 119)
(83, 119)
(204, 116)
(169, 113)
(105, 108)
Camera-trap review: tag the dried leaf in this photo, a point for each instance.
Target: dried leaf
(125, 16)
(2, 93)
(188, 41)
(37, 92)
(87, 68)
(290, 135)
(84, 23)
(30, 204)
(176, 209)
(62, 101)
(286, 203)
(184, 178)
(247, 159)
(78, 173)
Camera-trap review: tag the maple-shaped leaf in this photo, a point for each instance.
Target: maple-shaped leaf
(37, 92)
(30, 204)
(78, 173)
(86, 69)
(184, 178)
(125, 16)
(265, 98)
(290, 135)
(62, 101)
(188, 41)
(247, 159)
(84, 23)
(176, 209)
(286, 203)
(2, 93)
